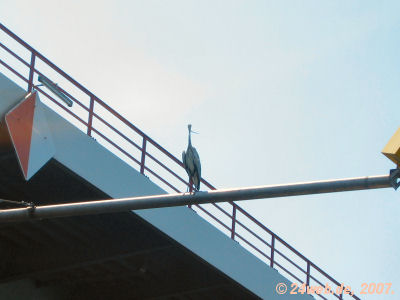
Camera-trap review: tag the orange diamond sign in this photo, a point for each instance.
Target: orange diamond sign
(30, 134)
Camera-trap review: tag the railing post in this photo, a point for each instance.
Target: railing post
(90, 119)
(190, 190)
(233, 221)
(272, 251)
(31, 72)
(308, 273)
(143, 155)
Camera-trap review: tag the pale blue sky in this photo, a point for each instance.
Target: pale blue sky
(280, 91)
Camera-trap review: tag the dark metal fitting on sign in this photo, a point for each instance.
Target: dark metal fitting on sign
(395, 178)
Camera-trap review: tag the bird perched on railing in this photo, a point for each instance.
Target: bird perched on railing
(191, 162)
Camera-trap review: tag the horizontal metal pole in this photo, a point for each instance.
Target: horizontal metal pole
(168, 200)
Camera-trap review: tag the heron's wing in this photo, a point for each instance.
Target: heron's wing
(197, 173)
(196, 160)
(184, 159)
(196, 181)
(185, 163)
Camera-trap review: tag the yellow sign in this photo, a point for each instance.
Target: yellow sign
(392, 149)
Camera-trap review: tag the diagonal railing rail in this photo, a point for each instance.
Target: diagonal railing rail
(100, 121)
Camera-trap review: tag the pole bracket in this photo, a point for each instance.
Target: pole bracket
(395, 178)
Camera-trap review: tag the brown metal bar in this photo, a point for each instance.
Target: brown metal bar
(115, 145)
(14, 54)
(272, 251)
(221, 210)
(238, 236)
(90, 117)
(287, 271)
(233, 222)
(289, 260)
(143, 159)
(166, 168)
(31, 72)
(213, 217)
(44, 59)
(13, 71)
(117, 131)
(161, 179)
(253, 233)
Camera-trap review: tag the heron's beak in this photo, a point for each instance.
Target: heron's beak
(194, 132)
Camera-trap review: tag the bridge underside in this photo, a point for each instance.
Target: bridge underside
(110, 256)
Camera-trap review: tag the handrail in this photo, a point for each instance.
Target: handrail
(233, 227)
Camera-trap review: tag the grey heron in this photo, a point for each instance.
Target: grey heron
(191, 162)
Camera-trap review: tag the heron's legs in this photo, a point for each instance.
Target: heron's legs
(191, 189)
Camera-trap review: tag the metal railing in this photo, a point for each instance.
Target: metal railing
(233, 220)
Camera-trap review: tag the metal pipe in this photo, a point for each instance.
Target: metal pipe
(168, 200)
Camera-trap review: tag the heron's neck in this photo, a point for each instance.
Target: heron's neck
(190, 139)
